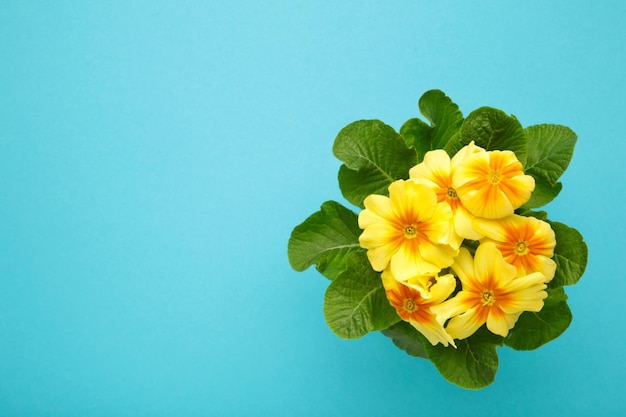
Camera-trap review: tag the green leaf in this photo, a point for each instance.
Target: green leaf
(541, 215)
(474, 362)
(417, 134)
(357, 185)
(445, 121)
(491, 129)
(406, 337)
(536, 329)
(377, 153)
(355, 302)
(550, 149)
(325, 239)
(471, 245)
(570, 255)
(543, 193)
(444, 116)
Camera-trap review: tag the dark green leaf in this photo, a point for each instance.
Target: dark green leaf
(550, 149)
(406, 337)
(471, 245)
(474, 362)
(325, 239)
(536, 329)
(491, 129)
(355, 302)
(377, 154)
(543, 193)
(570, 255)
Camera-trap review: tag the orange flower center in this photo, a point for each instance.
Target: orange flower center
(410, 231)
(494, 177)
(521, 248)
(409, 305)
(488, 298)
(451, 193)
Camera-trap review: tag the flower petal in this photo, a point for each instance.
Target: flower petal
(548, 268)
(433, 331)
(422, 283)
(518, 189)
(466, 324)
(437, 227)
(442, 289)
(407, 263)
(440, 255)
(493, 229)
(525, 293)
(470, 171)
(380, 256)
(463, 153)
(463, 224)
(463, 267)
(490, 265)
(377, 208)
(460, 303)
(500, 323)
(411, 200)
(434, 169)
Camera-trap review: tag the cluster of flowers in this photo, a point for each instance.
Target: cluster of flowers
(417, 234)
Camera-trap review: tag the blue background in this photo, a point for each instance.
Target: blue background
(155, 156)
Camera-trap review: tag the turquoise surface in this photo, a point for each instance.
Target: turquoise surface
(155, 156)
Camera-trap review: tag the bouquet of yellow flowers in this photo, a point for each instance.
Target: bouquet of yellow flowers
(448, 255)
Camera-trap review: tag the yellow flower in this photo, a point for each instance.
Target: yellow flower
(407, 230)
(525, 242)
(436, 170)
(491, 293)
(413, 300)
(492, 184)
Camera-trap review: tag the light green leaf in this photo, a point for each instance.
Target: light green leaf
(377, 154)
(325, 239)
(474, 362)
(445, 121)
(570, 255)
(550, 149)
(536, 329)
(355, 302)
(491, 129)
(543, 193)
(406, 337)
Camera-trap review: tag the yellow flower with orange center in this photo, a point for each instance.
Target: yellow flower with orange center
(525, 242)
(492, 293)
(492, 184)
(436, 170)
(406, 231)
(414, 298)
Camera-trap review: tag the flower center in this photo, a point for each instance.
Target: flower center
(409, 305)
(494, 177)
(410, 231)
(521, 248)
(451, 193)
(488, 298)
